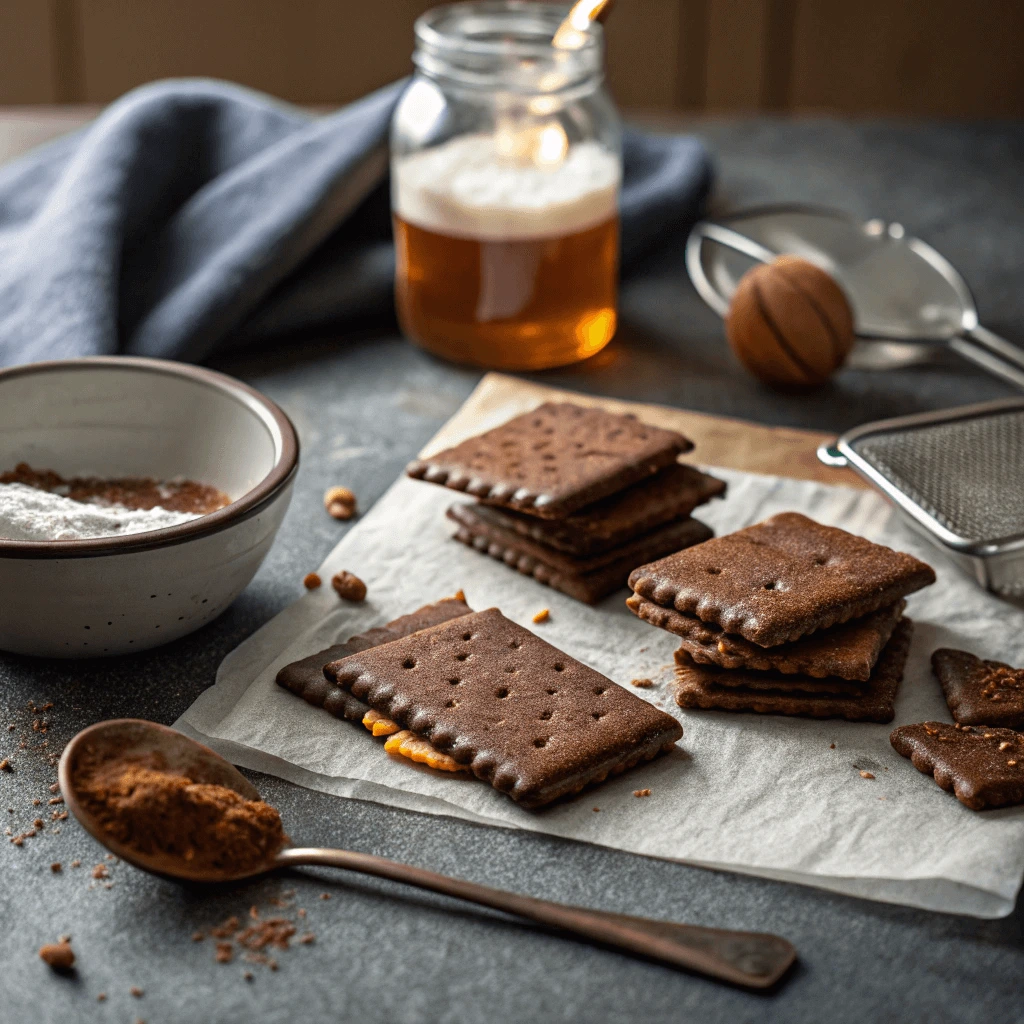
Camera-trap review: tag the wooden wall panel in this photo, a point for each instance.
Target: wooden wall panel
(898, 57)
(947, 58)
(317, 51)
(27, 52)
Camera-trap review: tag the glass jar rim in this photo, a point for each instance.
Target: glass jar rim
(457, 40)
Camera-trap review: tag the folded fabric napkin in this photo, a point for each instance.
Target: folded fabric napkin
(196, 215)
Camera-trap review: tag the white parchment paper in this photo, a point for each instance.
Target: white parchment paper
(767, 795)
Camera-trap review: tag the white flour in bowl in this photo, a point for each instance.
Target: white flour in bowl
(27, 513)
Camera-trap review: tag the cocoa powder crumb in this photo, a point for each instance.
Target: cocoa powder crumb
(56, 867)
(831, 746)
(866, 775)
(542, 616)
(58, 956)
(340, 503)
(642, 684)
(348, 586)
(311, 581)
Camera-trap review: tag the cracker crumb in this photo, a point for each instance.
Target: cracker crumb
(5, 765)
(831, 746)
(56, 867)
(596, 809)
(198, 936)
(101, 997)
(307, 939)
(311, 581)
(1005, 745)
(642, 684)
(460, 595)
(325, 895)
(348, 586)
(58, 956)
(248, 975)
(225, 953)
(866, 775)
(55, 800)
(301, 912)
(641, 792)
(340, 503)
(1012, 764)
(137, 992)
(100, 871)
(542, 616)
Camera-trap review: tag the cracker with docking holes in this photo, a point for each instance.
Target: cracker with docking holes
(671, 494)
(586, 579)
(306, 678)
(847, 651)
(781, 579)
(982, 767)
(698, 686)
(980, 692)
(521, 714)
(554, 460)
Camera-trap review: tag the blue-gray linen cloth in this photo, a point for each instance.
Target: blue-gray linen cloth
(193, 216)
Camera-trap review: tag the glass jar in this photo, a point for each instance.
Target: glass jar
(506, 164)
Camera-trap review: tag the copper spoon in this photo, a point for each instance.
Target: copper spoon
(751, 959)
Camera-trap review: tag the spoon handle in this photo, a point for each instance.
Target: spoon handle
(751, 959)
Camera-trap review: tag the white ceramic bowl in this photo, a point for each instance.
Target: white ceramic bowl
(139, 417)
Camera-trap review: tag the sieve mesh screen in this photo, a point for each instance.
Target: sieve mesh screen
(968, 474)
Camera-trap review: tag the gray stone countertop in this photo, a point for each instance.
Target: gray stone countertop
(363, 405)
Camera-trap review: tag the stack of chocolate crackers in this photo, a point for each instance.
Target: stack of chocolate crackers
(785, 617)
(574, 497)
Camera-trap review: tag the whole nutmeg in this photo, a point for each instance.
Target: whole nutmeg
(790, 323)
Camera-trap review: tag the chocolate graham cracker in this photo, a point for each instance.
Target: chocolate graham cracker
(781, 579)
(847, 651)
(523, 715)
(306, 678)
(773, 681)
(699, 686)
(588, 579)
(554, 460)
(670, 494)
(980, 692)
(983, 767)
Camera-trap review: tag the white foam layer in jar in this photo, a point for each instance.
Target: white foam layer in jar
(464, 189)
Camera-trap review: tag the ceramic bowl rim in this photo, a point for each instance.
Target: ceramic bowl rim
(244, 507)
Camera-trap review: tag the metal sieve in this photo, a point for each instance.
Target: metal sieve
(958, 474)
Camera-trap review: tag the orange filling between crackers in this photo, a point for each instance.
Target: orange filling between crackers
(408, 744)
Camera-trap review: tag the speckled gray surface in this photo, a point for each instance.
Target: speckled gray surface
(363, 406)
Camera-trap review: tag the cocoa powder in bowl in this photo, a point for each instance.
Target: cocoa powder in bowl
(165, 815)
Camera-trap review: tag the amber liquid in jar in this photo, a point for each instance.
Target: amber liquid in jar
(503, 264)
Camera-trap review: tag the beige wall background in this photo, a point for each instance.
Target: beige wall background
(893, 57)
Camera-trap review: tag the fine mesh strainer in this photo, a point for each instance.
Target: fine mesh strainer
(959, 475)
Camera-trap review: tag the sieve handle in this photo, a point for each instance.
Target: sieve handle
(988, 350)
